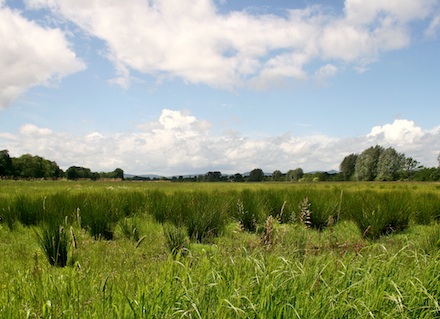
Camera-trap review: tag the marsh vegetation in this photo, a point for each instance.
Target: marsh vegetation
(219, 250)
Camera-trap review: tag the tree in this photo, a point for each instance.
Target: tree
(75, 172)
(276, 175)
(118, 173)
(238, 178)
(438, 159)
(256, 175)
(5, 164)
(213, 176)
(347, 167)
(409, 167)
(389, 165)
(366, 163)
(28, 166)
(295, 174)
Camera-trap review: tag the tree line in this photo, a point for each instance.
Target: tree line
(36, 167)
(375, 163)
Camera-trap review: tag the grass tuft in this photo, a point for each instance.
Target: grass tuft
(54, 243)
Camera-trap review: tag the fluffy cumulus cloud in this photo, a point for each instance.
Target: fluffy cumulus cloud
(191, 40)
(179, 143)
(31, 55)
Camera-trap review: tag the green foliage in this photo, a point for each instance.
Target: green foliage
(256, 175)
(277, 176)
(348, 167)
(28, 166)
(205, 215)
(129, 228)
(6, 168)
(248, 210)
(366, 163)
(379, 213)
(176, 239)
(284, 271)
(389, 165)
(54, 243)
(295, 174)
(77, 172)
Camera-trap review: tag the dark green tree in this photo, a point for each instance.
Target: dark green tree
(28, 166)
(347, 167)
(213, 176)
(118, 173)
(238, 178)
(409, 168)
(6, 168)
(277, 175)
(256, 175)
(76, 172)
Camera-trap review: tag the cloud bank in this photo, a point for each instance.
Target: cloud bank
(192, 41)
(31, 55)
(179, 143)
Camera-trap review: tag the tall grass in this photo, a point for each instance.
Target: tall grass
(285, 271)
(54, 242)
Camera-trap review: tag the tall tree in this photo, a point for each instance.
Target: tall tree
(5, 163)
(237, 177)
(256, 175)
(389, 165)
(409, 167)
(295, 174)
(28, 166)
(348, 166)
(118, 173)
(75, 172)
(366, 164)
(276, 175)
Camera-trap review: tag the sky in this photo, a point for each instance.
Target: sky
(189, 86)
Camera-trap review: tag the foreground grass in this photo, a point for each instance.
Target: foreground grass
(303, 273)
(275, 271)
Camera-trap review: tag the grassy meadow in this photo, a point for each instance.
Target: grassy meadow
(219, 250)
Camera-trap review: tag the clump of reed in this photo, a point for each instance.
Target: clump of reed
(54, 242)
(176, 239)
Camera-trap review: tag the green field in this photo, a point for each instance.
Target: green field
(219, 250)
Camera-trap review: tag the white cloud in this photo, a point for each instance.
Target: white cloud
(31, 55)
(191, 40)
(400, 132)
(431, 31)
(179, 143)
(326, 71)
(32, 130)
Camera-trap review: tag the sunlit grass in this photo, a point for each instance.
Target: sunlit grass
(279, 269)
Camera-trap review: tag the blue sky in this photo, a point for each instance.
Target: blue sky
(183, 87)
